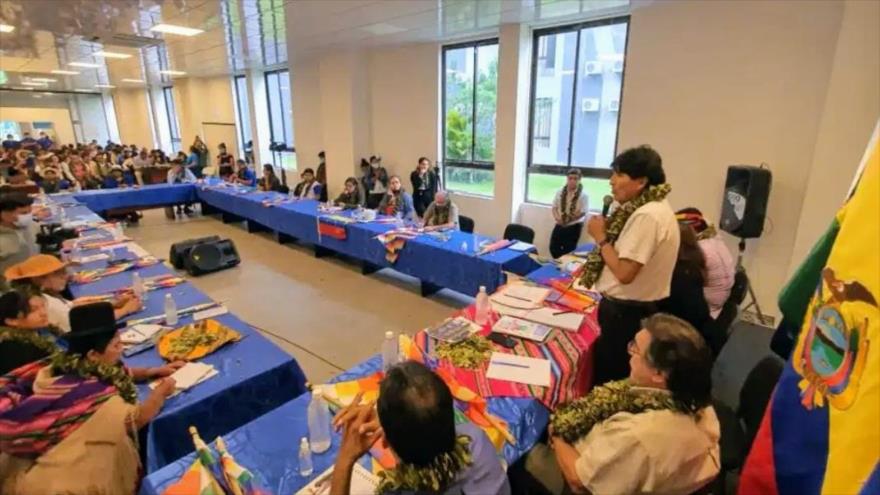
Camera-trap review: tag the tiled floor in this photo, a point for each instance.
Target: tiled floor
(323, 311)
(330, 317)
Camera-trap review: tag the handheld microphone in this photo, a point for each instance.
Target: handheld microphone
(606, 204)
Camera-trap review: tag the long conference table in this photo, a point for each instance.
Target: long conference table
(257, 402)
(452, 263)
(255, 376)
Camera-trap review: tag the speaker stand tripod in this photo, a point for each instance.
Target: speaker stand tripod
(753, 300)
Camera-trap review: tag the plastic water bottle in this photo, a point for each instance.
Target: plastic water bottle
(319, 422)
(305, 458)
(389, 351)
(137, 286)
(464, 246)
(170, 310)
(117, 231)
(481, 315)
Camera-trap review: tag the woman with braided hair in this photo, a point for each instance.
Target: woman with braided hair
(569, 211)
(635, 254)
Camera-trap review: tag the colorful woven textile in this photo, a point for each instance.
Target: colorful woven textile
(33, 421)
(239, 480)
(395, 240)
(568, 352)
(197, 480)
(331, 230)
(88, 276)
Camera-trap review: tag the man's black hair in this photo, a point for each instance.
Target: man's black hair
(416, 412)
(10, 201)
(641, 161)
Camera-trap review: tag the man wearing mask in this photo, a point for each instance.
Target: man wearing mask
(376, 182)
(17, 233)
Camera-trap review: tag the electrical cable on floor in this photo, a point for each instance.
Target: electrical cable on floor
(279, 337)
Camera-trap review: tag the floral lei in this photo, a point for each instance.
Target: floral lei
(569, 206)
(595, 263)
(115, 375)
(31, 337)
(574, 420)
(434, 477)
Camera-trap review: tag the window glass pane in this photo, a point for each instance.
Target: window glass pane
(286, 108)
(171, 115)
(551, 123)
(458, 108)
(470, 180)
(244, 113)
(275, 111)
(487, 93)
(599, 82)
(543, 187)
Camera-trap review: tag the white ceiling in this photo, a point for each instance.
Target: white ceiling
(238, 34)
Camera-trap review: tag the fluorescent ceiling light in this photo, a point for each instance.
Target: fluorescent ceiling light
(65, 72)
(31, 83)
(172, 29)
(6, 28)
(107, 54)
(81, 90)
(88, 65)
(172, 72)
(21, 88)
(133, 80)
(105, 86)
(43, 79)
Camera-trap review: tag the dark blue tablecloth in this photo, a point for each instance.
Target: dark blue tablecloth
(145, 196)
(445, 264)
(255, 376)
(268, 445)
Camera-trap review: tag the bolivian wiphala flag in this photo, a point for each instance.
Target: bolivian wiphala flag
(821, 430)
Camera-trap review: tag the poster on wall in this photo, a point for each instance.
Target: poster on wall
(47, 127)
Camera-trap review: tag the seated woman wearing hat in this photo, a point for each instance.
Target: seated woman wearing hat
(23, 335)
(47, 274)
(71, 426)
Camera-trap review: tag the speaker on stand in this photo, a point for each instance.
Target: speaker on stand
(743, 211)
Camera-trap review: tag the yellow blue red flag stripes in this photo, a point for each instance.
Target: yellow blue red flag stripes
(821, 430)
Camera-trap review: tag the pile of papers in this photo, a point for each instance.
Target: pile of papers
(190, 375)
(523, 329)
(521, 296)
(526, 302)
(139, 334)
(453, 330)
(520, 369)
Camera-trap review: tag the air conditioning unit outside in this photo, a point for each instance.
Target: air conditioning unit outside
(618, 66)
(589, 105)
(613, 105)
(592, 68)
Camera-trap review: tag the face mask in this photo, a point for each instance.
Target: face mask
(374, 164)
(24, 220)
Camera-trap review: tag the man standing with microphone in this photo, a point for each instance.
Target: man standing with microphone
(635, 253)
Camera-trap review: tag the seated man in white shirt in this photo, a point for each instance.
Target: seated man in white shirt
(655, 432)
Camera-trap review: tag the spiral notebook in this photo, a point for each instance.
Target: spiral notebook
(362, 483)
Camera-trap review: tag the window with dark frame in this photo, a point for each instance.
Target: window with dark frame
(242, 105)
(171, 115)
(577, 84)
(469, 103)
(278, 100)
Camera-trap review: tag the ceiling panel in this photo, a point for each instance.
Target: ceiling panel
(238, 34)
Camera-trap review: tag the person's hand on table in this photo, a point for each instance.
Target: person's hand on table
(129, 304)
(167, 370)
(596, 227)
(165, 387)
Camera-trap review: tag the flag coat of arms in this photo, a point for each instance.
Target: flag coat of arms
(821, 429)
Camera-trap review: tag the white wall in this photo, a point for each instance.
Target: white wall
(199, 100)
(60, 118)
(133, 116)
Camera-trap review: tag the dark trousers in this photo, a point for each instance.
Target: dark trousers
(620, 321)
(563, 240)
(421, 201)
(373, 200)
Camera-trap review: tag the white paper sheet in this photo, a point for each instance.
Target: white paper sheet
(210, 313)
(548, 316)
(139, 333)
(520, 369)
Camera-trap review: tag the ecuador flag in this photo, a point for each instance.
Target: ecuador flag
(821, 430)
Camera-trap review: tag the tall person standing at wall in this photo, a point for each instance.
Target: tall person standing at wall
(635, 254)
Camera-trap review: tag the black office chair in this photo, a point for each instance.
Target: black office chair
(720, 328)
(466, 224)
(517, 232)
(738, 429)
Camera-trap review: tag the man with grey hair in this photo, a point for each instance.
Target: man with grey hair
(442, 213)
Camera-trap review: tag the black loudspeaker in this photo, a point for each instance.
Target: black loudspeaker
(744, 205)
(179, 250)
(210, 257)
